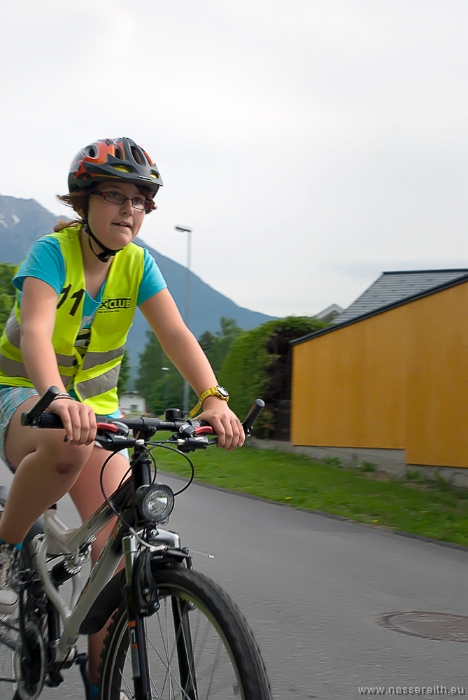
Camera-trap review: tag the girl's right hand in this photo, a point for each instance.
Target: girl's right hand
(78, 420)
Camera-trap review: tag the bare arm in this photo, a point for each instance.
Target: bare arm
(181, 346)
(38, 311)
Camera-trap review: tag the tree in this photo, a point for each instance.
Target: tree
(162, 388)
(159, 380)
(149, 367)
(216, 346)
(259, 366)
(207, 341)
(124, 375)
(7, 292)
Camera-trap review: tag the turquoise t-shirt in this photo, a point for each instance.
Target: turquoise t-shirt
(45, 262)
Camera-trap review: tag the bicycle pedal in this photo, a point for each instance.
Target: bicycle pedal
(81, 659)
(54, 679)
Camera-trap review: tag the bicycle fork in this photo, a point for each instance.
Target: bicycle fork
(141, 599)
(136, 624)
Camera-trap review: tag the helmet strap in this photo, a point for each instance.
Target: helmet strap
(106, 252)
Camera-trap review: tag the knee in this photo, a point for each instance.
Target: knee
(70, 459)
(63, 467)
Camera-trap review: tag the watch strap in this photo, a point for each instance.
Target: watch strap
(212, 391)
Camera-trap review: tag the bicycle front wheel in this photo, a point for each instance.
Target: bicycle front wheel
(199, 646)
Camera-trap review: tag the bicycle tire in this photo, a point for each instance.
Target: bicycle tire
(228, 664)
(9, 630)
(9, 640)
(30, 676)
(9, 624)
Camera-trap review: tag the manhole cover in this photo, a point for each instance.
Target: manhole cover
(430, 625)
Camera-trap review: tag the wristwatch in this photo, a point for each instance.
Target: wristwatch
(218, 391)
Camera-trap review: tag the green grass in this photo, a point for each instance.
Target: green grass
(412, 504)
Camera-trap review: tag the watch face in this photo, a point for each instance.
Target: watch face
(222, 391)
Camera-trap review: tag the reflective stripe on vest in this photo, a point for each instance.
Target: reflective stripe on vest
(13, 330)
(95, 376)
(100, 385)
(13, 333)
(92, 359)
(12, 368)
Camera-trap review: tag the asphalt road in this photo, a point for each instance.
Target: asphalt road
(310, 586)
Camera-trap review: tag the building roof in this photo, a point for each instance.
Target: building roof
(393, 289)
(329, 314)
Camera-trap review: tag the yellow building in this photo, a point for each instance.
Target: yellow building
(390, 378)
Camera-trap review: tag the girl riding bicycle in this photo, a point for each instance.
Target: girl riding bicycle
(77, 293)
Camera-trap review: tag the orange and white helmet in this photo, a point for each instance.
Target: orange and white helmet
(108, 159)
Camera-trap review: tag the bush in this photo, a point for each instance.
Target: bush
(7, 292)
(259, 366)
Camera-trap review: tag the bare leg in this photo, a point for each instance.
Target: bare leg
(47, 469)
(87, 496)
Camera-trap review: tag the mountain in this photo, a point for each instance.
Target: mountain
(22, 221)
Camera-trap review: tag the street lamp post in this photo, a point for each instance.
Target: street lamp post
(165, 370)
(188, 231)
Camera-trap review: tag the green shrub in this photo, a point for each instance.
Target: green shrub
(259, 366)
(7, 292)
(331, 462)
(368, 467)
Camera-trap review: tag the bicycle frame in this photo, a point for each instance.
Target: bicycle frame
(73, 542)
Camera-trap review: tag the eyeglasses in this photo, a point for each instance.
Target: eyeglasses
(140, 203)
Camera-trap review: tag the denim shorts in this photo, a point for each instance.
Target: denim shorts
(10, 398)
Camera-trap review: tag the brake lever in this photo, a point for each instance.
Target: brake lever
(197, 442)
(115, 443)
(194, 427)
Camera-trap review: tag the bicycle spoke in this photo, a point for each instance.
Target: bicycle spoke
(199, 647)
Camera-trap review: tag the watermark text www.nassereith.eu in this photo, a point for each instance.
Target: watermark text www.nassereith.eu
(421, 690)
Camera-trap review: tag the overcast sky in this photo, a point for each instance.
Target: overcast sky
(309, 144)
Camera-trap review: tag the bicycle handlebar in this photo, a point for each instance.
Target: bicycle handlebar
(39, 407)
(252, 416)
(113, 434)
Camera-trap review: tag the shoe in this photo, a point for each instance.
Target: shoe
(8, 597)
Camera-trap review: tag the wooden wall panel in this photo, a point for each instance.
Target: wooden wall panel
(348, 387)
(398, 380)
(437, 391)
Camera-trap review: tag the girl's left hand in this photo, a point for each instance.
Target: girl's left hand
(224, 422)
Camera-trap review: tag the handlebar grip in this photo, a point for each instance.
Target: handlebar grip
(38, 408)
(49, 420)
(252, 416)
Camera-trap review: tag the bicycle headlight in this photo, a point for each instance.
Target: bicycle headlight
(156, 502)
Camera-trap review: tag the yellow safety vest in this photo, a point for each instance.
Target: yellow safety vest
(93, 376)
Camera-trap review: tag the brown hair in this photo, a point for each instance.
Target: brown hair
(79, 202)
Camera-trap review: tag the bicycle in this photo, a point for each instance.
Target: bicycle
(174, 633)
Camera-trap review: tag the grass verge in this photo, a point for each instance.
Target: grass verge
(432, 509)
